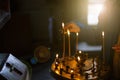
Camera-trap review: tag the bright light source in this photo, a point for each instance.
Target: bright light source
(93, 13)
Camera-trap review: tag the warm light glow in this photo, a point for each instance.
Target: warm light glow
(68, 32)
(71, 71)
(77, 34)
(57, 71)
(80, 52)
(102, 33)
(78, 58)
(56, 62)
(93, 13)
(63, 25)
(56, 55)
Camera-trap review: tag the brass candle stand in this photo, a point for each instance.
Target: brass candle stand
(79, 66)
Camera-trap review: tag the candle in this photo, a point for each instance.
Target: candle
(76, 42)
(63, 25)
(63, 40)
(80, 52)
(103, 46)
(69, 43)
(71, 71)
(56, 65)
(72, 74)
(56, 56)
(103, 34)
(78, 58)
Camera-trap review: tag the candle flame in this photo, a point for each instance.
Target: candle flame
(80, 52)
(56, 62)
(77, 34)
(56, 55)
(63, 25)
(78, 58)
(71, 71)
(68, 32)
(103, 33)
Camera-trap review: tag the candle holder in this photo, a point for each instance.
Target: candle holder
(77, 41)
(63, 39)
(61, 70)
(67, 68)
(103, 47)
(85, 68)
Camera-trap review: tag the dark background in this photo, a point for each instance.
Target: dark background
(29, 27)
(29, 24)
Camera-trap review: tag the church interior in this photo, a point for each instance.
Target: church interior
(59, 39)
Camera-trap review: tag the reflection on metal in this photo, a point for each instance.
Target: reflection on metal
(79, 67)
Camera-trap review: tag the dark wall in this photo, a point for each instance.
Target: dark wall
(16, 37)
(41, 10)
(35, 15)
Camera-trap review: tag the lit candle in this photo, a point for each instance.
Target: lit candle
(80, 52)
(56, 65)
(103, 46)
(72, 73)
(103, 34)
(57, 56)
(63, 40)
(76, 42)
(63, 25)
(78, 58)
(69, 43)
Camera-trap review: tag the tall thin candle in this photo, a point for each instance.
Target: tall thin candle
(69, 43)
(63, 39)
(76, 42)
(103, 46)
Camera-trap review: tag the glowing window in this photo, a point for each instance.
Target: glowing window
(94, 9)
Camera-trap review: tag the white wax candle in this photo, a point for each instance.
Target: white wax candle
(76, 42)
(103, 46)
(69, 43)
(63, 40)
